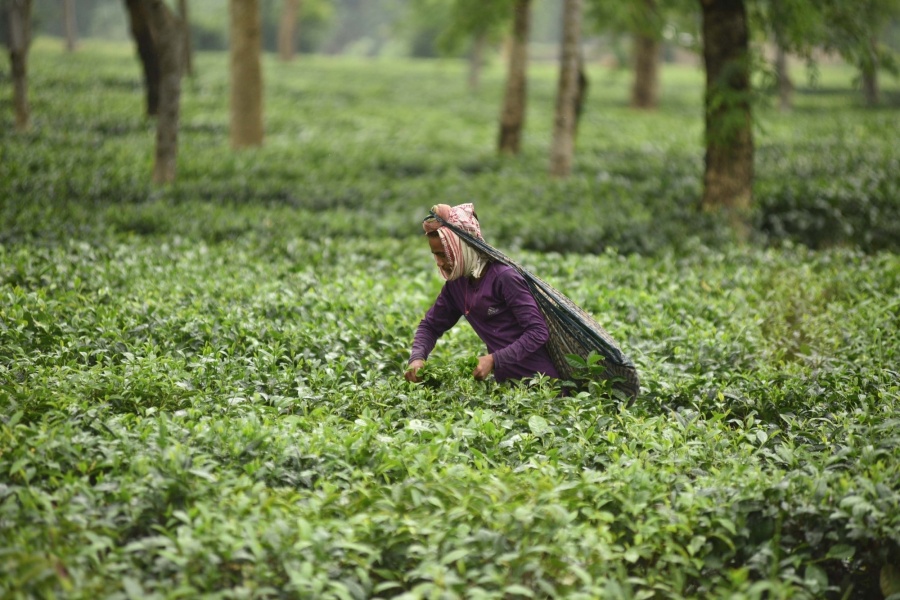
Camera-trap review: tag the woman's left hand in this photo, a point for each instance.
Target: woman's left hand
(484, 368)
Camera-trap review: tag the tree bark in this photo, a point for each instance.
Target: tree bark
(187, 42)
(246, 74)
(581, 91)
(139, 21)
(287, 30)
(19, 42)
(169, 38)
(728, 179)
(870, 75)
(870, 87)
(562, 150)
(645, 91)
(783, 78)
(476, 60)
(71, 27)
(512, 119)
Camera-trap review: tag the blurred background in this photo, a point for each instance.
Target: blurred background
(415, 28)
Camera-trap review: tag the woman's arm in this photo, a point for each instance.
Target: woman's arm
(443, 315)
(535, 333)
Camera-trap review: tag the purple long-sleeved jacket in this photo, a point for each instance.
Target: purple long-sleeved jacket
(503, 313)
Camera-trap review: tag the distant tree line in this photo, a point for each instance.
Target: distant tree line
(728, 34)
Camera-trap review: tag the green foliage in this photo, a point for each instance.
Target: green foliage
(201, 387)
(436, 373)
(449, 27)
(335, 157)
(652, 18)
(852, 29)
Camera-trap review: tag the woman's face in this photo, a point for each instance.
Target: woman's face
(440, 257)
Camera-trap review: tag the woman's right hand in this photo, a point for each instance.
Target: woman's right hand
(412, 369)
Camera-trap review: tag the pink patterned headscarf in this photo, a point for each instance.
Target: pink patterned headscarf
(466, 260)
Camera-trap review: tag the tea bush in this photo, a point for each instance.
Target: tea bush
(202, 391)
(344, 149)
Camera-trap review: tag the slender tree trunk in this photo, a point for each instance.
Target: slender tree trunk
(562, 150)
(19, 19)
(512, 119)
(869, 69)
(139, 21)
(169, 38)
(476, 60)
(187, 42)
(783, 78)
(246, 74)
(728, 180)
(871, 92)
(287, 30)
(645, 93)
(581, 91)
(71, 27)
(645, 40)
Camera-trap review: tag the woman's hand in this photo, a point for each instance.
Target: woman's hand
(484, 368)
(412, 370)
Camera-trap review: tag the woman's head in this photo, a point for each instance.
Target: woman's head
(453, 256)
(461, 216)
(443, 260)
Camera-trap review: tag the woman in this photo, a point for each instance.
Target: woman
(494, 298)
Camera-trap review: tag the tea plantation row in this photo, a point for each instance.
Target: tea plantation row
(183, 418)
(362, 148)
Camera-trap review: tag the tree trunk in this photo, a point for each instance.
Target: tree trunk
(870, 75)
(645, 92)
(563, 149)
(728, 179)
(512, 119)
(476, 60)
(645, 40)
(187, 42)
(139, 20)
(870, 87)
(19, 19)
(71, 27)
(287, 30)
(783, 78)
(169, 38)
(246, 74)
(581, 92)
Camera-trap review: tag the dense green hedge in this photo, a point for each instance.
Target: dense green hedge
(381, 141)
(231, 416)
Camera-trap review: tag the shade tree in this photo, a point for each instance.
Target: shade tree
(846, 26)
(568, 98)
(512, 116)
(312, 13)
(461, 27)
(187, 42)
(159, 36)
(70, 26)
(139, 24)
(246, 97)
(728, 173)
(646, 22)
(17, 17)
(854, 28)
(287, 29)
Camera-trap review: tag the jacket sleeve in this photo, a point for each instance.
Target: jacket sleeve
(440, 317)
(535, 333)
